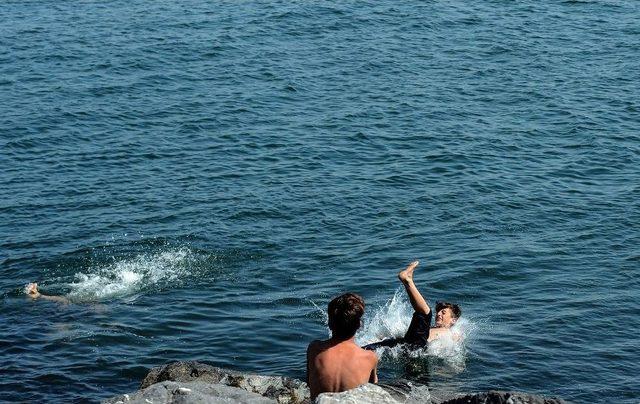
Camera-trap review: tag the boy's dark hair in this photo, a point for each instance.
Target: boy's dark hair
(344, 315)
(455, 309)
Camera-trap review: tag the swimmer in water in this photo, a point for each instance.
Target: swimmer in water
(420, 332)
(32, 291)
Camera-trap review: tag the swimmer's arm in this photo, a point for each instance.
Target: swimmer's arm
(58, 299)
(33, 292)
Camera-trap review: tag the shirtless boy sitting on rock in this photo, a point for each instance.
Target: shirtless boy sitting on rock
(338, 364)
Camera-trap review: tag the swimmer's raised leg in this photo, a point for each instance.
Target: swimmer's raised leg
(417, 301)
(418, 332)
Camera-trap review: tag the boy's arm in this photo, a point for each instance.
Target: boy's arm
(373, 378)
(306, 379)
(34, 293)
(58, 299)
(310, 355)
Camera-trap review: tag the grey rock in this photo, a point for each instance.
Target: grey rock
(190, 392)
(210, 384)
(503, 397)
(184, 372)
(283, 390)
(365, 394)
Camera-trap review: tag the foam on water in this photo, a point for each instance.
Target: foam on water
(128, 277)
(451, 348)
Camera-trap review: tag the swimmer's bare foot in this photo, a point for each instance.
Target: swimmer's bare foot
(407, 275)
(417, 301)
(32, 290)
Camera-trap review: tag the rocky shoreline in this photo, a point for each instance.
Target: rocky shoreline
(195, 382)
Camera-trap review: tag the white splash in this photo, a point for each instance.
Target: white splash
(392, 321)
(130, 276)
(418, 394)
(322, 313)
(388, 321)
(451, 347)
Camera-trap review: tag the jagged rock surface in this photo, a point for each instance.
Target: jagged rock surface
(366, 394)
(192, 393)
(503, 397)
(283, 390)
(194, 382)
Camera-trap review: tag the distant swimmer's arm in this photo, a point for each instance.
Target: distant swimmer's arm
(58, 299)
(34, 293)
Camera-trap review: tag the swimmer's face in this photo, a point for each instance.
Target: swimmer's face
(445, 318)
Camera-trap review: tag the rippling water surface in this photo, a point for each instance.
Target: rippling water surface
(200, 178)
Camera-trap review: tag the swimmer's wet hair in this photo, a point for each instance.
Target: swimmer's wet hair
(455, 309)
(345, 312)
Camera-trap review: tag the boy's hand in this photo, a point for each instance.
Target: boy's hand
(32, 290)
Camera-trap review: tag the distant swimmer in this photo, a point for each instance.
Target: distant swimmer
(420, 332)
(338, 364)
(32, 291)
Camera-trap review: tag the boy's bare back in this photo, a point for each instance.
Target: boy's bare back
(339, 366)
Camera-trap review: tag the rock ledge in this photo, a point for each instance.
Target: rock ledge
(195, 382)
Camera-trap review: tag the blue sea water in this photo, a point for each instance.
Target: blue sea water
(201, 177)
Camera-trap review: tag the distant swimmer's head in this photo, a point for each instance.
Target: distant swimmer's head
(447, 314)
(345, 312)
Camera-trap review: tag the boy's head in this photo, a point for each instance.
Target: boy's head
(345, 312)
(447, 314)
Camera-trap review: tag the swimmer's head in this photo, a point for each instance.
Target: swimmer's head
(345, 313)
(447, 314)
